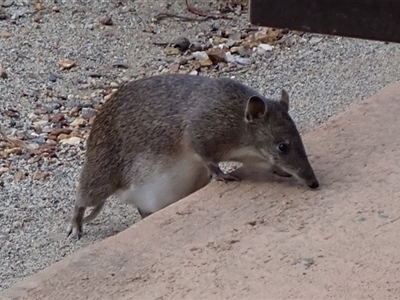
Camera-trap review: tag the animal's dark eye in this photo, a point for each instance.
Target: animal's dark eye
(283, 147)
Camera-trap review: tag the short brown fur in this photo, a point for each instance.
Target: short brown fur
(160, 138)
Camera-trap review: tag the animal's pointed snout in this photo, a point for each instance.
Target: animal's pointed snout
(309, 178)
(313, 184)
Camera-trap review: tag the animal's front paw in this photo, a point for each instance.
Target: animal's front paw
(219, 175)
(225, 177)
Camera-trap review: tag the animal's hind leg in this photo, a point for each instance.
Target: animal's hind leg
(95, 211)
(81, 203)
(85, 199)
(76, 222)
(78, 218)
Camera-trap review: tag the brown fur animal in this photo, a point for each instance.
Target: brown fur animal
(161, 138)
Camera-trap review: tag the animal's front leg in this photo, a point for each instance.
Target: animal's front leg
(219, 175)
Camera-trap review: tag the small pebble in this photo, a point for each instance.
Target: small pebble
(78, 122)
(265, 47)
(200, 55)
(182, 43)
(229, 57)
(17, 14)
(261, 52)
(215, 27)
(243, 60)
(315, 40)
(216, 55)
(52, 78)
(74, 140)
(195, 46)
(174, 68)
(57, 118)
(88, 113)
(39, 140)
(7, 3)
(181, 61)
(106, 20)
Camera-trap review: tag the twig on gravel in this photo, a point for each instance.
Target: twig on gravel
(198, 12)
(16, 142)
(105, 87)
(161, 16)
(43, 10)
(250, 29)
(192, 9)
(163, 44)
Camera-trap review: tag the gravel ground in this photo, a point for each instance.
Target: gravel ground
(323, 76)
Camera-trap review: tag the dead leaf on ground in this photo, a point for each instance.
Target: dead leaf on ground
(58, 131)
(19, 176)
(171, 51)
(5, 34)
(63, 136)
(38, 5)
(73, 141)
(47, 148)
(41, 175)
(216, 55)
(7, 152)
(66, 64)
(57, 118)
(149, 30)
(206, 63)
(13, 141)
(12, 113)
(78, 122)
(271, 35)
(4, 170)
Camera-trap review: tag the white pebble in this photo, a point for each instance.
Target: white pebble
(265, 47)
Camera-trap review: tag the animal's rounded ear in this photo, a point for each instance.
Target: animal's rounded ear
(255, 108)
(284, 99)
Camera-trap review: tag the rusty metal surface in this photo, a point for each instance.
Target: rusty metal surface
(368, 19)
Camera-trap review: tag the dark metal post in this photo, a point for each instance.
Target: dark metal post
(365, 19)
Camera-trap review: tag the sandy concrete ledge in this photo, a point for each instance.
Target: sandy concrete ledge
(266, 240)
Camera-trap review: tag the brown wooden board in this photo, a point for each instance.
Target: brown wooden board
(366, 19)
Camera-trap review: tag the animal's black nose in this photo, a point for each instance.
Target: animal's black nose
(313, 185)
